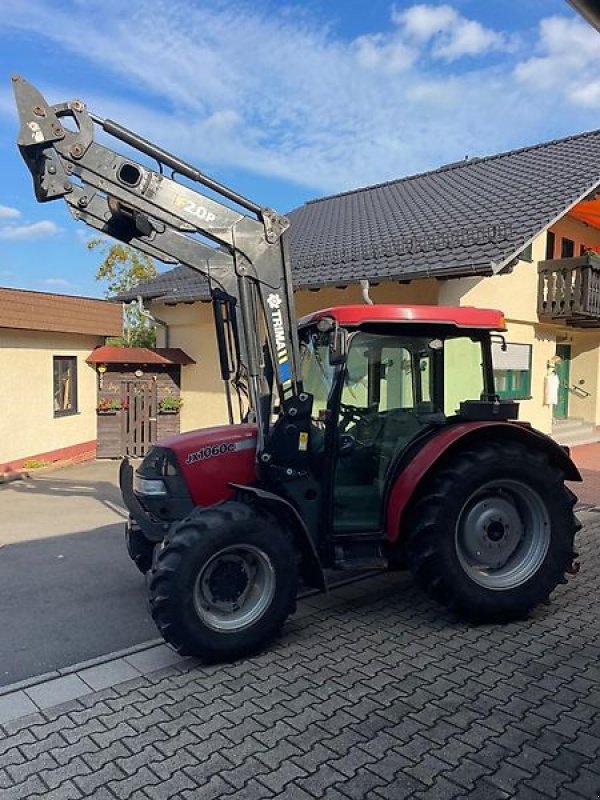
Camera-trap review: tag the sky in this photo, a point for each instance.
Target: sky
(286, 101)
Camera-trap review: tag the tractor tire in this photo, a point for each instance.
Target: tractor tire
(223, 582)
(492, 532)
(140, 548)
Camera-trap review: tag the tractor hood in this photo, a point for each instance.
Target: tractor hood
(211, 459)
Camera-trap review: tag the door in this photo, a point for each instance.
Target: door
(561, 409)
(386, 386)
(138, 421)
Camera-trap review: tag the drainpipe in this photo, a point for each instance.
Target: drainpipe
(364, 289)
(148, 315)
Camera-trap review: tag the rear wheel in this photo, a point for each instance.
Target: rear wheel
(224, 582)
(492, 532)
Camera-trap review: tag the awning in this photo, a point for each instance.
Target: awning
(139, 355)
(587, 211)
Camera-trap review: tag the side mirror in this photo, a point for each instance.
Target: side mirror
(338, 348)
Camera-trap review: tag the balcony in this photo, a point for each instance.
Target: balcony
(569, 291)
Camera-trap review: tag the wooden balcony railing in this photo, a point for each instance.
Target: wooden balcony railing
(569, 290)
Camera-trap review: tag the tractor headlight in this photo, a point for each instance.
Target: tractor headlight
(148, 486)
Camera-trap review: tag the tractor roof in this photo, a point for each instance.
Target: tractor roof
(461, 317)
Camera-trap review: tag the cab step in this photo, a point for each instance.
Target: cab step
(360, 555)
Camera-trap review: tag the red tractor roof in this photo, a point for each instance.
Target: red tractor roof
(461, 317)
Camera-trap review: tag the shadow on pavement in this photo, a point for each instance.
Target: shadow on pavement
(68, 598)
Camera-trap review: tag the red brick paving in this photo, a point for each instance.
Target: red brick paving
(587, 458)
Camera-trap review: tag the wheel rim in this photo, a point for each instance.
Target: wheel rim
(234, 588)
(503, 534)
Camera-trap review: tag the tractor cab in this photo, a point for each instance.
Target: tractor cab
(405, 372)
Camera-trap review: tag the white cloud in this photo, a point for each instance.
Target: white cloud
(448, 34)
(424, 21)
(283, 96)
(9, 213)
(58, 283)
(567, 61)
(468, 37)
(35, 230)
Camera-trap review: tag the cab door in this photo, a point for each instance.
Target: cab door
(385, 385)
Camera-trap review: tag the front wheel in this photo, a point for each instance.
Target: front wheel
(224, 582)
(139, 548)
(492, 532)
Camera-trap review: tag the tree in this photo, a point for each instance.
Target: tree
(124, 268)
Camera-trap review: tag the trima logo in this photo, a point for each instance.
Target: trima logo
(274, 301)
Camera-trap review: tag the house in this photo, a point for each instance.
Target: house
(48, 397)
(510, 231)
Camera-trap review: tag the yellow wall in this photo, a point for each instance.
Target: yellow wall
(191, 328)
(27, 423)
(578, 231)
(516, 294)
(423, 292)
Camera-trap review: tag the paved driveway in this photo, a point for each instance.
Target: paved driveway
(69, 592)
(60, 502)
(373, 693)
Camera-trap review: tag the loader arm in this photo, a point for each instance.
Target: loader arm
(589, 9)
(243, 255)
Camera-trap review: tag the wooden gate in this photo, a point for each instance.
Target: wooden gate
(138, 419)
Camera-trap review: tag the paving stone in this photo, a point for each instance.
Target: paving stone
(106, 675)
(240, 775)
(15, 705)
(548, 781)
(508, 777)
(75, 768)
(153, 659)
(427, 769)
(401, 787)
(57, 691)
(277, 780)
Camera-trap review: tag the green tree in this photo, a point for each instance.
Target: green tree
(123, 268)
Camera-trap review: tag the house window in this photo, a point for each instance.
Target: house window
(512, 371)
(527, 253)
(550, 241)
(65, 385)
(567, 248)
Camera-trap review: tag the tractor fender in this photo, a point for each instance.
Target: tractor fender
(312, 570)
(458, 436)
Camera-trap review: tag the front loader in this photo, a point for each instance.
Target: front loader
(366, 436)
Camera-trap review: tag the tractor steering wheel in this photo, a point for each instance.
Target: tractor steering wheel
(366, 423)
(349, 414)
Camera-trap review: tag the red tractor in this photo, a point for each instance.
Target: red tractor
(369, 436)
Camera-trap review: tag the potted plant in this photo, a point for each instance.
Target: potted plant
(170, 404)
(109, 405)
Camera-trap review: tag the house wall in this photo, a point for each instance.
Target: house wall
(578, 231)
(191, 328)
(28, 428)
(515, 293)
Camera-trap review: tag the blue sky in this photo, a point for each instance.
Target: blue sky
(286, 101)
